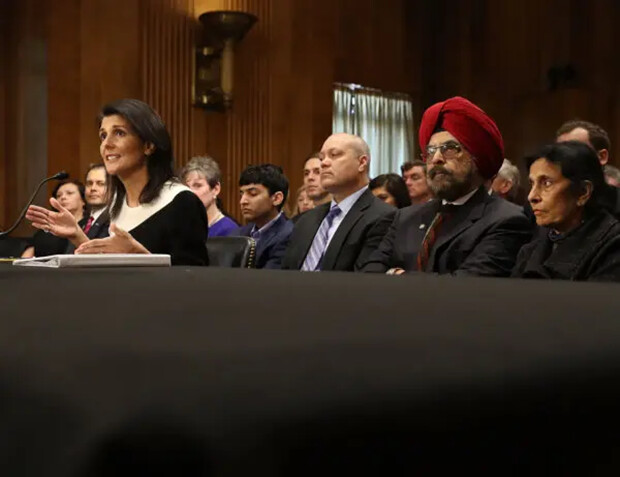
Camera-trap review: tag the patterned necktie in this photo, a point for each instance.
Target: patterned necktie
(429, 240)
(314, 258)
(89, 224)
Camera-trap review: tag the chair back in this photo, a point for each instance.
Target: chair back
(12, 246)
(231, 252)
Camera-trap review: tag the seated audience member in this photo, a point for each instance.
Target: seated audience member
(312, 180)
(414, 174)
(612, 175)
(150, 211)
(589, 133)
(391, 189)
(202, 175)
(570, 199)
(506, 183)
(96, 225)
(70, 196)
(263, 191)
(337, 235)
(303, 203)
(595, 137)
(464, 231)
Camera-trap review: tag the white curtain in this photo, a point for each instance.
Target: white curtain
(385, 121)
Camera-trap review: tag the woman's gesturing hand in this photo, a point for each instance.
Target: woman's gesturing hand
(119, 241)
(61, 223)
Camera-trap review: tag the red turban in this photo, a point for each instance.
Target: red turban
(473, 128)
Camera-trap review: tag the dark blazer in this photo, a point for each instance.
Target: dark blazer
(359, 233)
(482, 238)
(99, 228)
(271, 246)
(592, 252)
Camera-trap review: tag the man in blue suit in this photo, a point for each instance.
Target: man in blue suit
(263, 190)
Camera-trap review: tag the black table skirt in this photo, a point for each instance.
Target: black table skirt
(197, 371)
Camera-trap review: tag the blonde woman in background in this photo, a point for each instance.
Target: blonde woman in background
(303, 203)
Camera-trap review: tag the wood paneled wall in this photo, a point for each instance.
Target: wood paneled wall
(498, 54)
(23, 104)
(90, 63)
(284, 72)
(89, 52)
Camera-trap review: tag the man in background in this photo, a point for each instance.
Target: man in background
(588, 133)
(97, 223)
(464, 230)
(312, 180)
(342, 233)
(414, 174)
(506, 183)
(597, 138)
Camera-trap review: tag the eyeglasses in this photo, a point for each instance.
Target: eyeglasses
(449, 150)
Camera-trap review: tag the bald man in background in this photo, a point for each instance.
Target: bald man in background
(342, 233)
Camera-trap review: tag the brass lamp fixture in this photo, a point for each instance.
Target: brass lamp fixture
(214, 57)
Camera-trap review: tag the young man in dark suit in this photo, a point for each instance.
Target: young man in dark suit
(263, 190)
(341, 234)
(97, 223)
(464, 231)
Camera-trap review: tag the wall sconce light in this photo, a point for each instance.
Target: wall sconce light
(214, 57)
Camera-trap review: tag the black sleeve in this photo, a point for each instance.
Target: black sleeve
(496, 253)
(188, 230)
(377, 252)
(522, 259)
(605, 266)
(276, 254)
(47, 244)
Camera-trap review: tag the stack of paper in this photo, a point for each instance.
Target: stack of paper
(99, 260)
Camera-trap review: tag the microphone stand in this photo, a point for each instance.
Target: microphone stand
(58, 176)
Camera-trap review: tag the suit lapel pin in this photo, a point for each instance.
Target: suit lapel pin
(422, 226)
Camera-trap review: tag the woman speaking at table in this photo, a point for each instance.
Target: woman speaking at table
(150, 210)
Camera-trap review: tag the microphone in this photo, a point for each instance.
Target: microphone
(59, 176)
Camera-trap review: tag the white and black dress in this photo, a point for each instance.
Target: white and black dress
(174, 223)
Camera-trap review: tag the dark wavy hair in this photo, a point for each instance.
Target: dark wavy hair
(579, 163)
(395, 185)
(150, 128)
(81, 190)
(268, 175)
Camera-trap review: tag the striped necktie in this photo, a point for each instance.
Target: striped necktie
(316, 253)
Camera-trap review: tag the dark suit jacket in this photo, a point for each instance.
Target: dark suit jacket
(359, 233)
(271, 246)
(592, 252)
(482, 238)
(99, 228)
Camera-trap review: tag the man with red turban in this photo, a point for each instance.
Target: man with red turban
(464, 230)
